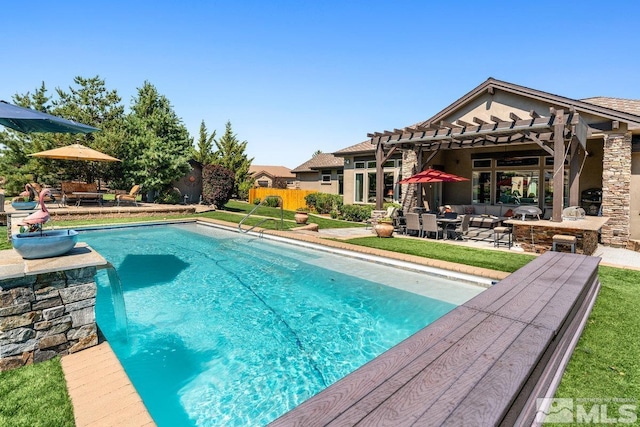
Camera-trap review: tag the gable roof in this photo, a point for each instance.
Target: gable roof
(272, 171)
(360, 148)
(491, 84)
(320, 161)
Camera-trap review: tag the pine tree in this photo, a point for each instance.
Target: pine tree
(231, 154)
(204, 153)
(160, 146)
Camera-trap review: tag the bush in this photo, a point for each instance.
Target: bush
(217, 185)
(256, 201)
(273, 202)
(323, 203)
(169, 196)
(357, 213)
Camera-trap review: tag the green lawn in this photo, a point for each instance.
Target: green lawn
(605, 364)
(35, 396)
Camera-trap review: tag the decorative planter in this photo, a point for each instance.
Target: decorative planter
(47, 244)
(24, 206)
(384, 229)
(301, 217)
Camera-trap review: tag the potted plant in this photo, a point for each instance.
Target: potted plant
(384, 227)
(302, 215)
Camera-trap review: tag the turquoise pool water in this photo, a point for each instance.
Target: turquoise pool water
(227, 329)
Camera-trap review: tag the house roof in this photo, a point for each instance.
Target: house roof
(492, 84)
(362, 147)
(452, 127)
(272, 171)
(320, 161)
(631, 106)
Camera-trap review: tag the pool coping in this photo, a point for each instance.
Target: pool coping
(99, 388)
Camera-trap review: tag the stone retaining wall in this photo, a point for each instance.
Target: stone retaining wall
(45, 315)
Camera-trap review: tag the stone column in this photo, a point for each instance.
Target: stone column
(616, 189)
(409, 168)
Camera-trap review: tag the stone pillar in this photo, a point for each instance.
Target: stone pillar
(45, 315)
(616, 189)
(409, 168)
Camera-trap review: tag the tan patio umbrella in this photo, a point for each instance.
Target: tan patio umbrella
(75, 152)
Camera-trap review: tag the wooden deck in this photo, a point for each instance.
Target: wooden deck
(482, 364)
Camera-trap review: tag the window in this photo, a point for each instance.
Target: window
(359, 165)
(371, 193)
(340, 184)
(371, 165)
(359, 193)
(517, 187)
(263, 183)
(481, 187)
(518, 161)
(482, 163)
(326, 178)
(548, 188)
(389, 164)
(389, 193)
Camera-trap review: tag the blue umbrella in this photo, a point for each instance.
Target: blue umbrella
(27, 120)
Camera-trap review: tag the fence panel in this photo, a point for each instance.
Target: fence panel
(292, 199)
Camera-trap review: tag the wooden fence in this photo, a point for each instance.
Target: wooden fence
(292, 199)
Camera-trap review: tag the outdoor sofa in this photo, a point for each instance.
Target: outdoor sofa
(70, 187)
(485, 216)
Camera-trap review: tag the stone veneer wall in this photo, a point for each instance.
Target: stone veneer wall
(409, 194)
(45, 315)
(616, 189)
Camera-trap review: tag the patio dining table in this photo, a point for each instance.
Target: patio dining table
(448, 224)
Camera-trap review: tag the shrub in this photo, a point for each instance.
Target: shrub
(217, 185)
(273, 202)
(357, 213)
(256, 201)
(169, 196)
(323, 203)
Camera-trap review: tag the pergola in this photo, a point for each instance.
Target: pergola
(559, 134)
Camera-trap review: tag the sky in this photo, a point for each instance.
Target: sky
(294, 77)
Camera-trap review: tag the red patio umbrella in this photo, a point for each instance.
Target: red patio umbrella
(432, 175)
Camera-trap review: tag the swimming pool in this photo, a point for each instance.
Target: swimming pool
(227, 329)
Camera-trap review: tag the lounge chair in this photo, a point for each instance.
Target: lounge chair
(131, 197)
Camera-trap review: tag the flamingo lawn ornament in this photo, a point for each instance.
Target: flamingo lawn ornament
(28, 192)
(36, 219)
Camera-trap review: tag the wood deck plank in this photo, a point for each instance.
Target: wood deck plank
(343, 394)
(487, 403)
(487, 371)
(427, 355)
(447, 384)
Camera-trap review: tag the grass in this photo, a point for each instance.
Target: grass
(35, 395)
(605, 364)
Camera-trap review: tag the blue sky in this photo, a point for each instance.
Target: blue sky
(294, 77)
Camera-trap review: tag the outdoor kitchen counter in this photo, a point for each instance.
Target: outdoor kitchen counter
(537, 235)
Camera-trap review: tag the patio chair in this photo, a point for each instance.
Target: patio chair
(131, 197)
(413, 223)
(462, 229)
(430, 225)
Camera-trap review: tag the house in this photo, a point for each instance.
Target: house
(272, 176)
(524, 146)
(322, 173)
